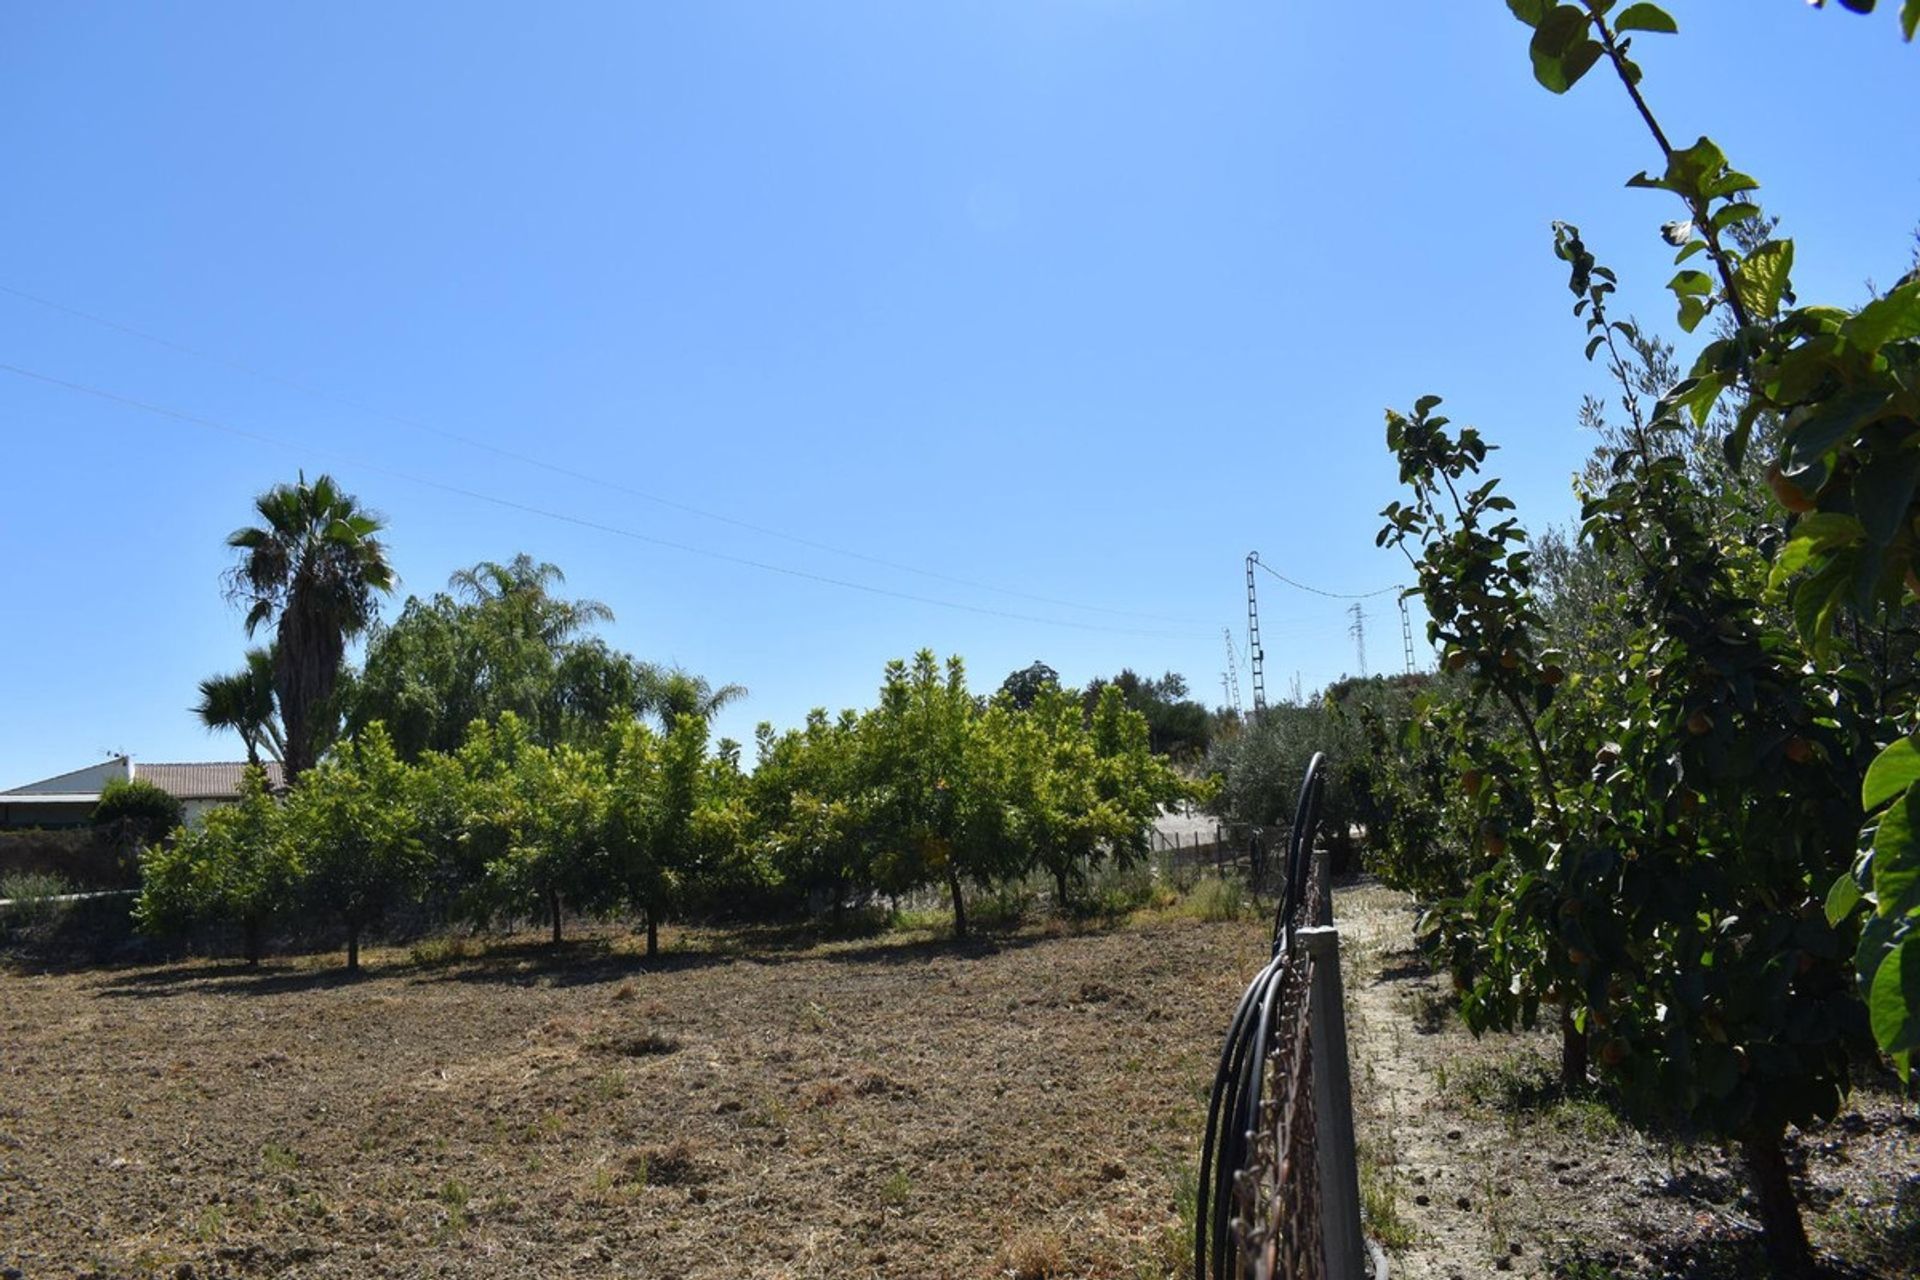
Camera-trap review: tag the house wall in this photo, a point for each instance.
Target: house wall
(196, 810)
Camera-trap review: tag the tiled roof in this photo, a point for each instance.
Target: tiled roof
(202, 781)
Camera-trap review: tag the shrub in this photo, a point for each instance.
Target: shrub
(137, 813)
(1214, 898)
(32, 894)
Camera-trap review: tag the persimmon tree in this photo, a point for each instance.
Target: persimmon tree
(1682, 870)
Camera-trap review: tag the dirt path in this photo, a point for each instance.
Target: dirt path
(1471, 1162)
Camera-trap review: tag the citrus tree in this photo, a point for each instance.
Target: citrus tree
(1058, 820)
(938, 799)
(354, 832)
(236, 867)
(669, 818)
(811, 809)
(536, 812)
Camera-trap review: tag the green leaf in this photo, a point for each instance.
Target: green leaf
(1883, 493)
(1734, 447)
(1894, 318)
(1530, 11)
(1692, 312)
(1730, 182)
(1842, 898)
(1894, 1004)
(1762, 278)
(1827, 530)
(1698, 395)
(1689, 169)
(1836, 419)
(1646, 17)
(1910, 18)
(1560, 49)
(1896, 859)
(1691, 282)
(1817, 598)
(1728, 214)
(1892, 772)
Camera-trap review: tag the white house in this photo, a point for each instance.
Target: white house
(67, 799)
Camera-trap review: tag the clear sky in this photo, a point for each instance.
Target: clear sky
(1076, 299)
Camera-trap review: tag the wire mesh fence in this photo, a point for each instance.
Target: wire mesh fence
(1278, 1193)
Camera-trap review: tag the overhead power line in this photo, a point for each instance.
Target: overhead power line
(214, 424)
(532, 460)
(1331, 595)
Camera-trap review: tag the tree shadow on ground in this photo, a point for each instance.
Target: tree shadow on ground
(548, 967)
(573, 962)
(227, 978)
(1402, 966)
(1718, 1249)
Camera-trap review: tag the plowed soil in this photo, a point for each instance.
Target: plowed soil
(1023, 1107)
(1020, 1107)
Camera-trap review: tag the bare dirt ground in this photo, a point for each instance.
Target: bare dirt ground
(750, 1105)
(1474, 1164)
(1026, 1106)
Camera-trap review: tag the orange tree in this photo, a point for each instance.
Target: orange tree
(937, 785)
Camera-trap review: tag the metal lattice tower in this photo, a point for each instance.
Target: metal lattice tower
(1406, 633)
(1256, 656)
(1232, 678)
(1359, 633)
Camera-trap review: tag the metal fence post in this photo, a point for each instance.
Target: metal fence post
(1340, 1237)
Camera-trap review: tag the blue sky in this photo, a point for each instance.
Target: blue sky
(1078, 300)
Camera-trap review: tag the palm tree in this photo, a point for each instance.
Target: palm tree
(243, 701)
(526, 583)
(314, 567)
(671, 693)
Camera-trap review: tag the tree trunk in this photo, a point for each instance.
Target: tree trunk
(653, 934)
(959, 907)
(1783, 1235)
(553, 909)
(251, 936)
(1573, 1053)
(1060, 890)
(353, 948)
